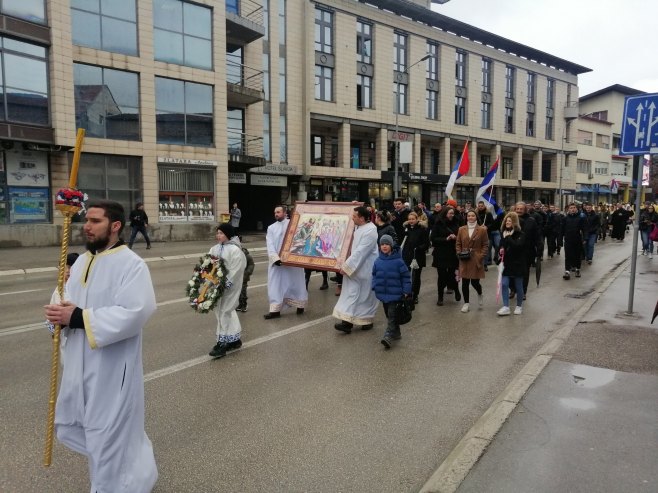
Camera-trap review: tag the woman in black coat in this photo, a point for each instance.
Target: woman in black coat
(444, 256)
(415, 243)
(513, 254)
(384, 226)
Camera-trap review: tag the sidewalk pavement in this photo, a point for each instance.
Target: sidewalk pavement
(31, 260)
(589, 423)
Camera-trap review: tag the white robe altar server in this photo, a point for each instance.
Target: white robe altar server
(285, 285)
(228, 324)
(357, 303)
(100, 406)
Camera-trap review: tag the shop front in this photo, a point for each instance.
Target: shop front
(24, 187)
(418, 187)
(186, 190)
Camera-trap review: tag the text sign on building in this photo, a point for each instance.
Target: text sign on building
(240, 178)
(195, 162)
(269, 180)
(639, 130)
(400, 136)
(276, 169)
(27, 168)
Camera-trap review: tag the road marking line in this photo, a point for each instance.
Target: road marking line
(23, 328)
(459, 462)
(25, 291)
(202, 359)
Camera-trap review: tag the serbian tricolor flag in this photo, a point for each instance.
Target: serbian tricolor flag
(461, 168)
(485, 192)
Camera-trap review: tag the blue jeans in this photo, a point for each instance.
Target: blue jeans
(518, 283)
(133, 235)
(589, 248)
(647, 244)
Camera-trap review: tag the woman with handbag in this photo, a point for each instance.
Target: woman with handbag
(471, 247)
(415, 244)
(444, 255)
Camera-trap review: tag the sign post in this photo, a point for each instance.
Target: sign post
(639, 134)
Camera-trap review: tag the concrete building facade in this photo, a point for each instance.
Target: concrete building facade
(190, 106)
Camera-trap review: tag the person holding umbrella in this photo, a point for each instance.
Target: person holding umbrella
(513, 262)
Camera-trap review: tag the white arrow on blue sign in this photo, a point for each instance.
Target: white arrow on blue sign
(639, 131)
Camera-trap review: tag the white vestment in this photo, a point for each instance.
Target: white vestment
(285, 285)
(228, 323)
(357, 303)
(100, 407)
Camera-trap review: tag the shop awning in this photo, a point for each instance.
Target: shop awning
(584, 188)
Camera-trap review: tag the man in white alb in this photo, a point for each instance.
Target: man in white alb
(357, 303)
(100, 406)
(285, 285)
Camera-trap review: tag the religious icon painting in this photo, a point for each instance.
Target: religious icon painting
(319, 235)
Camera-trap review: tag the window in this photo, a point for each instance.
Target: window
(599, 115)
(363, 42)
(600, 168)
(267, 144)
(323, 31)
(508, 169)
(546, 171)
(460, 111)
(183, 112)
(182, 33)
(486, 77)
(317, 148)
(526, 169)
(509, 120)
(433, 61)
(105, 25)
(233, 6)
(584, 137)
(603, 141)
(282, 80)
(549, 128)
(485, 164)
(111, 177)
(106, 102)
(400, 98)
(363, 91)
(186, 194)
(460, 69)
(323, 83)
(29, 10)
(399, 52)
(235, 131)
(532, 87)
(550, 93)
(509, 82)
(486, 115)
(283, 140)
(583, 166)
(432, 99)
(24, 83)
(530, 125)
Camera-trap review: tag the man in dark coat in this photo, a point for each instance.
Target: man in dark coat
(552, 230)
(533, 241)
(139, 221)
(400, 216)
(572, 235)
(619, 220)
(592, 226)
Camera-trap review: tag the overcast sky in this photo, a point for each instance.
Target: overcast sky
(614, 38)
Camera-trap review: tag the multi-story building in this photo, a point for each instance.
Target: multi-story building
(190, 106)
(603, 111)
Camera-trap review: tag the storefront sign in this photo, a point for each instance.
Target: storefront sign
(240, 178)
(276, 169)
(172, 219)
(201, 218)
(400, 136)
(406, 177)
(269, 180)
(27, 168)
(28, 205)
(195, 162)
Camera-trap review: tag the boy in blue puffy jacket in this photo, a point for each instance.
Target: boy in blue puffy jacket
(391, 282)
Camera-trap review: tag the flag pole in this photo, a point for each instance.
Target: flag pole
(68, 210)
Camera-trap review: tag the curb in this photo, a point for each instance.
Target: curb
(456, 466)
(148, 260)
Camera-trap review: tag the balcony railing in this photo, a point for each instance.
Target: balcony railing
(246, 8)
(244, 145)
(243, 75)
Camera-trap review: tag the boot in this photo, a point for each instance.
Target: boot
(344, 327)
(271, 315)
(219, 351)
(325, 285)
(234, 345)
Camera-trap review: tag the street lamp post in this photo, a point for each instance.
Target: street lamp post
(396, 190)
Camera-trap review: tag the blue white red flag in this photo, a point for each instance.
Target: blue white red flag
(460, 169)
(485, 192)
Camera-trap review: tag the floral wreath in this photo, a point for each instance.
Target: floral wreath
(208, 283)
(70, 197)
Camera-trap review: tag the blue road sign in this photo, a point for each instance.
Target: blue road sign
(639, 129)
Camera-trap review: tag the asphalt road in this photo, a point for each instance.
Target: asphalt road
(301, 407)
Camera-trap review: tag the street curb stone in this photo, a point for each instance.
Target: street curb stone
(456, 466)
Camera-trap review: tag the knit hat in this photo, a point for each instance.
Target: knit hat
(227, 229)
(452, 203)
(386, 240)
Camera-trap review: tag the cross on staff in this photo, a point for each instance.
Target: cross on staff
(69, 203)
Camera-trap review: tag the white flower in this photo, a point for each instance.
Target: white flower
(191, 284)
(205, 305)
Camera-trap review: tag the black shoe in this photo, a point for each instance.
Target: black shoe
(589, 262)
(271, 315)
(324, 286)
(567, 275)
(344, 327)
(241, 308)
(416, 300)
(577, 272)
(550, 256)
(234, 345)
(366, 327)
(333, 278)
(219, 351)
(387, 341)
(300, 311)
(486, 268)
(148, 247)
(439, 303)
(458, 296)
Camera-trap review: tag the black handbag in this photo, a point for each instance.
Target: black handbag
(464, 255)
(403, 313)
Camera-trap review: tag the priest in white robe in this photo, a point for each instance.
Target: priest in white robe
(100, 406)
(357, 304)
(285, 285)
(229, 329)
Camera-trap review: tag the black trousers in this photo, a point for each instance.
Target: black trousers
(445, 279)
(473, 282)
(573, 254)
(551, 244)
(415, 281)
